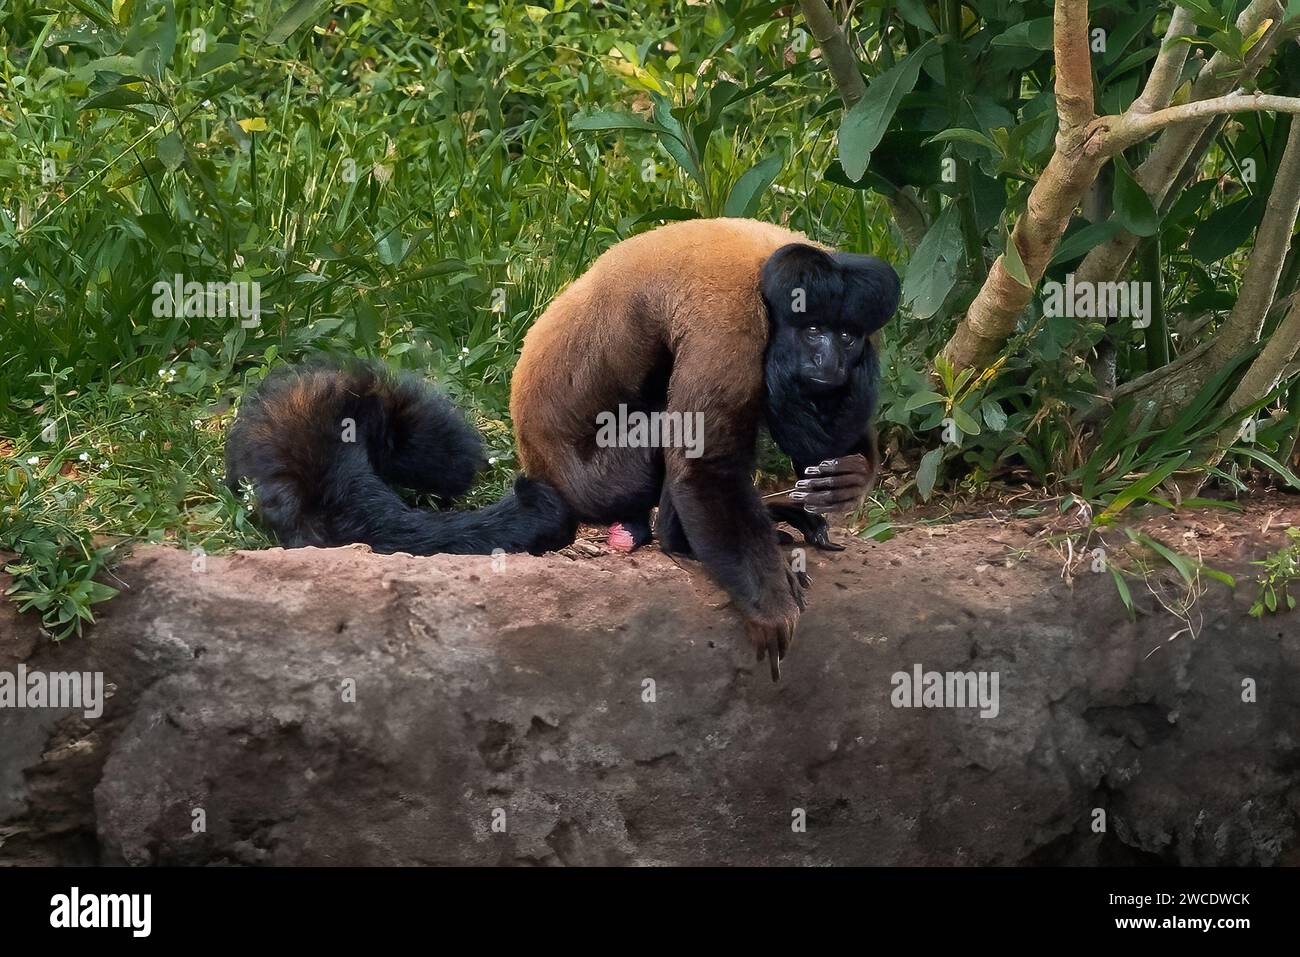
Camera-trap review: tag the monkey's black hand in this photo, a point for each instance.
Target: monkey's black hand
(835, 485)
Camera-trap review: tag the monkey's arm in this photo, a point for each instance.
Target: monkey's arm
(720, 510)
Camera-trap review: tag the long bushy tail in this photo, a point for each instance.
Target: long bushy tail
(323, 447)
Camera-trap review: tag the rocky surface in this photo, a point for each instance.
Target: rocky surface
(334, 706)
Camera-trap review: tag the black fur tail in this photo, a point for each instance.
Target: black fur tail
(323, 446)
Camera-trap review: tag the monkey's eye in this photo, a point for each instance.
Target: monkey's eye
(847, 337)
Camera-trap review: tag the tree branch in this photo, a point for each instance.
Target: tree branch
(1168, 66)
(1074, 105)
(1133, 128)
(835, 51)
(1180, 148)
(992, 315)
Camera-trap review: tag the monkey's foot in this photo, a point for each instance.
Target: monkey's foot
(628, 536)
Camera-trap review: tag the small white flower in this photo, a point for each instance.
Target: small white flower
(198, 423)
(34, 460)
(464, 350)
(492, 460)
(84, 456)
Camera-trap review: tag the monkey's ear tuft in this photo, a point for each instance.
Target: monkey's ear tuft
(871, 290)
(799, 278)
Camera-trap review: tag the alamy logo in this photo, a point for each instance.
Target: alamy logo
(75, 909)
(210, 300)
(946, 689)
(1098, 300)
(54, 689)
(651, 430)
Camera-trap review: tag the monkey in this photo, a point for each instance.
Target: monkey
(744, 324)
(323, 447)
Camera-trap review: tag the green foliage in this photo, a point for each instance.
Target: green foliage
(1280, 571)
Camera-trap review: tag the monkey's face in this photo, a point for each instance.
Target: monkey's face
(822, 307)
(824, 355)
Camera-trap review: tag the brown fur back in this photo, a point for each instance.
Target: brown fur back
(639, 302)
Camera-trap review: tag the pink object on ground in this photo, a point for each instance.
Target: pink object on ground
(620, 539)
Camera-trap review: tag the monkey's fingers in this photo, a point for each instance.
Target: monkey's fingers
(819, 503)
(847, 465)
(771, 642)
(798, 581)
(831, 483)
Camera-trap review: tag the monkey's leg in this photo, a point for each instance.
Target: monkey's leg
(668, 527)
(814, 528)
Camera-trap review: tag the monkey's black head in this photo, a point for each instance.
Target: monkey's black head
(820, 367)
(821, 307)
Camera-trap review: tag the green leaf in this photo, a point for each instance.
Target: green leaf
(749, 189)
(217, 55)
(1133, 208)
(171, 151)
(994, 417)
(1266, 460)
(664, 214)
(97, 592)
(1124, 595)
(966, 136)
(921, 400)
(1203, 12)
(1185, 567)
(932, 271)
(118, 98)
(965, 421)
(864, 125)
(1140, 488)
(1226, 229)
(914, 12)
(1013, 264)
(673, 138)
(928, 472)
(882, 532)
(1083, 240)
(612, 120)
(1035, 34)
(295, 17)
